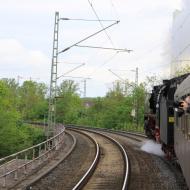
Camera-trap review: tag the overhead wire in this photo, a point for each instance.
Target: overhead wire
(67, 62)
(105, 48)
(114, 9)
(175, 60)
(88, 20)
(152, 49)
(139, 58)
(180, 53)
(100, 21)
(103, 64)
(155, 67)
(84, 39)
(93, 9)
(109, 38)
(183, 22)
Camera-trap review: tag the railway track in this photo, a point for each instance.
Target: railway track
(100, 160)
(97, 162)
(72, 172)
(112, 170)
(132, 135)
(147, 171)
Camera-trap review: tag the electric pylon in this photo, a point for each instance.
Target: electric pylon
(53, 82)
(136, 120)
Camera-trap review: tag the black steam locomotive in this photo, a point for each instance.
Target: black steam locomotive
(168, 120)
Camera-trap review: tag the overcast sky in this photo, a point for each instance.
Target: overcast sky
(26, 37)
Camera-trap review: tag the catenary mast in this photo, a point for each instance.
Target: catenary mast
(53, 81)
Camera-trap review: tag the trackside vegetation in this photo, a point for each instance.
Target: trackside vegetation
(114, 111)
(29, 102)
(17, 104)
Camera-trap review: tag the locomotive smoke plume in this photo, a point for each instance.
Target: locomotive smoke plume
(152, 147)
(180, 49)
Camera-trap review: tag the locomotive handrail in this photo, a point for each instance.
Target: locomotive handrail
(22, 159)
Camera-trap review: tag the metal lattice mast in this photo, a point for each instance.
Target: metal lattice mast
(84, 88)
(136, 97)
(53, 82)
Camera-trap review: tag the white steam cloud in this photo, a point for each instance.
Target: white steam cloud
(152, 147)
(180, 49)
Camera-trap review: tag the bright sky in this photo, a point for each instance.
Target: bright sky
(27, 32)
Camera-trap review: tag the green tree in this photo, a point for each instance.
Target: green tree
(14, 135)
(114, 110)
(33, 104)
(69, 104)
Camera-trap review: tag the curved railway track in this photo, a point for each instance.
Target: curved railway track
(137, 136)
(97, 162)
(112, 170)
(72, 172)
(100, 160)
(147, 171)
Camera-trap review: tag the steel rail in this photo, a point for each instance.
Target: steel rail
(124, 153)
(122, 133)
(133, 136)
(87, 175)
(140, 134)
(92, 167)
(104, 129)
(126, 178)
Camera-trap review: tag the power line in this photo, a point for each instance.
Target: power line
(183, 60)
(114, 8)
(104, 63)
(116, 75)
(108, 60)
(88, 20)
(151, 50)
(180, 53)
(53, 81)
(93, 9)
(67, 62)
(76, 77)
(138, 58)
(84, 81)
(71, 70)
(183, 22)
(155, 67)
(88, 37)
(106, 48)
